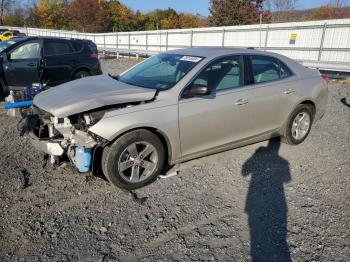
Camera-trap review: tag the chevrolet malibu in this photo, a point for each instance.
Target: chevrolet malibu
(174, 107)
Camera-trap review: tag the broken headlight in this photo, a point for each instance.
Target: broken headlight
(93, 117)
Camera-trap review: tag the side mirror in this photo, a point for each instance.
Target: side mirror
(196, 90)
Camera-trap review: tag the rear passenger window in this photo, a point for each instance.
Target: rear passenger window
(77, 46)
(285, 71)
(57, 48)
(93, 48)
(267, 69)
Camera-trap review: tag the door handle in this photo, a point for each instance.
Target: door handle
(31, 64)
(241, 102)
(289, 91)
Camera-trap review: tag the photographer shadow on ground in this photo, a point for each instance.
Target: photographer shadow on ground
(266, 204)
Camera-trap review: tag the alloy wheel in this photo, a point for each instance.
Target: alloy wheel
(138, 162)
(301, 125)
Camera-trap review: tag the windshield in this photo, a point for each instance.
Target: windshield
(6, 44)
(160, 72)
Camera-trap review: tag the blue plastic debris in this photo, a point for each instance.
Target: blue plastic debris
(19, 104)
(83, 158)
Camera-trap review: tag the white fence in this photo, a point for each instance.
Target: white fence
(321, 44)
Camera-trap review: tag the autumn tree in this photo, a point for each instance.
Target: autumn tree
(88, 16)
(120, 16)
(236, 12)
(331, 11)
(191, 21)
(52, 14)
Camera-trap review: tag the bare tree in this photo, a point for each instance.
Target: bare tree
(336, 3)
(277, 7)
(336, 7)
(5, 6)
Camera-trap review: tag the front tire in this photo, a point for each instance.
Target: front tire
(299, 125)
(80, 74)
(134, 160)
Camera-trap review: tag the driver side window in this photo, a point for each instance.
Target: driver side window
(26, 51)
(223, 74)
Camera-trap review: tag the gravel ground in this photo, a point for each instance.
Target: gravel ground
(267, 201)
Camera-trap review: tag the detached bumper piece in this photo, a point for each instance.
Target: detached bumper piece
(49, 148)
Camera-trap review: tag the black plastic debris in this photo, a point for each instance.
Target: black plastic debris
(24, 178)
(343, 100)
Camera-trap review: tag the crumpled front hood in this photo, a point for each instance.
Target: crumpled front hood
(89, 93)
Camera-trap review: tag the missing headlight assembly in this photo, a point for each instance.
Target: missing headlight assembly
(66, 138)
(63, 137)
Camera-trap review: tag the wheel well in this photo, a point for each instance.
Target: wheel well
(159, 134)
(313, 106)
(81, 69)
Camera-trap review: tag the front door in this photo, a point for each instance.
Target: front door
(22, 66)
(218, 119)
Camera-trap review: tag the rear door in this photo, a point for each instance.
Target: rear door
(22, 66)
(58, 60)
(272, 95)
(218, 119)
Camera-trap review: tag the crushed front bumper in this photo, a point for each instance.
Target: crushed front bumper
(47, 147)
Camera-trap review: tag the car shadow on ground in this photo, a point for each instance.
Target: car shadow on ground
(266, 204)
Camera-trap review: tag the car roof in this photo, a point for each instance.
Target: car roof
(212, 52)
(55, 38)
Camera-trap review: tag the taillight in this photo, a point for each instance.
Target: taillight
(95, 56)
(325, 78)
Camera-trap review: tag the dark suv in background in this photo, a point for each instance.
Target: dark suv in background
(47, 60)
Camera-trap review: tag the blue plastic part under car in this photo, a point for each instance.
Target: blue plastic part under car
(19, 104)
(83, 157)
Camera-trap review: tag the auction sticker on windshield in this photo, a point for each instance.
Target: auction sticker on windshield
(193, 59)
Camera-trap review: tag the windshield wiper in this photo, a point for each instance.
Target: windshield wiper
(114, 77)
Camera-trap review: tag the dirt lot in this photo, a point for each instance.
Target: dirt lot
(267, 201)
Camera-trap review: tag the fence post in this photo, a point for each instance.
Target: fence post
(322, 41)
(129, 42)
(166, 40)
(104, 41)
(146, 41)
(223, 37)
(191, 41)
(117, 41)
(266, 37)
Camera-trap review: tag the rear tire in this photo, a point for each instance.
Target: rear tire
(134, 160)
(80, 74)
(299, 125)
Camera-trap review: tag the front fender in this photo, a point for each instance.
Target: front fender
(163, 119)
